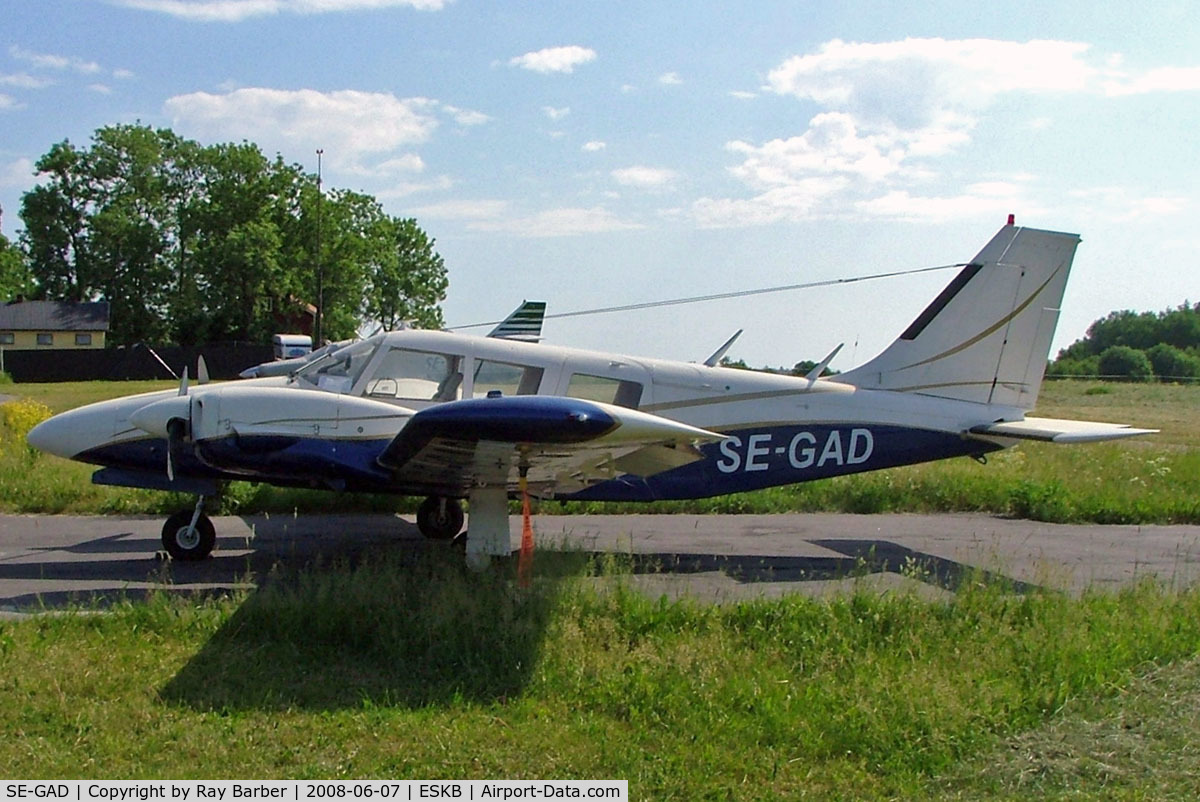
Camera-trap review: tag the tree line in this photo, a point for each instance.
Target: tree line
(1136, 346)
(191, 243)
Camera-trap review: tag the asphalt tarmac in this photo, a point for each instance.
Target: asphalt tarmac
(51, 561)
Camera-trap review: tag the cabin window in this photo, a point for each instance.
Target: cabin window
(417, 376)
(83, 339)
(508, 378)
(609, 391)
(6, 338)
(45, 339)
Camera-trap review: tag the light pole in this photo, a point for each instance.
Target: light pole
(317, 329)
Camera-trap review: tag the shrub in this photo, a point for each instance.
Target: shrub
(19, 417)
(1170, 362)
(1125, 363)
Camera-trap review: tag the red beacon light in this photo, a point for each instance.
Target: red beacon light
(1012, 219)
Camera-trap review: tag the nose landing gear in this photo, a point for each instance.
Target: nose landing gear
(189, 535)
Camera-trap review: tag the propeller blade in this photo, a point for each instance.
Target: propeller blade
(201, 370)
(177, 432)
(183, 383)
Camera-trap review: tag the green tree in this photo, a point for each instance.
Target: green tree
(15, 278)
(1179, 327)
(408, 281)
(1066, 367)
(102, 226)
(1170, 362)
(232, 277)
(190, 243)
(1123, 362)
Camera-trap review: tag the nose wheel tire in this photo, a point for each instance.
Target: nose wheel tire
(185, 542)
(440, 518)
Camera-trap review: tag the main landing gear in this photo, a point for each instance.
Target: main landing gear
(189, 535)
(440, 518)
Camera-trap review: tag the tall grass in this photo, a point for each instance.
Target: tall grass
(409, 667)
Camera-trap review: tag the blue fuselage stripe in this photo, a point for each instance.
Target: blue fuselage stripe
(747, 459)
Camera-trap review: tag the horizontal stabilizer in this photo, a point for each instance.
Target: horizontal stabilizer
(1052, 430)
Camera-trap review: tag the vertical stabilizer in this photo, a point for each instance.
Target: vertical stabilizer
(525, 323)
(986, 337)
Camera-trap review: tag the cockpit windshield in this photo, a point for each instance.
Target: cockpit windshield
(337, 372)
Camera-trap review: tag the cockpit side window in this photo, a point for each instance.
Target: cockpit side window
(417, 376)
(619, 392)
(508, 378)
(337, 372)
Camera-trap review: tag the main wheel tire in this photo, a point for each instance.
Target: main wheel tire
(440, 519)
(183, 543)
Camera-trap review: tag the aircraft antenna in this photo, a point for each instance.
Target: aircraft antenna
(720, 296)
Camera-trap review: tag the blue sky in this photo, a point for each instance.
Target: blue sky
(597, 153)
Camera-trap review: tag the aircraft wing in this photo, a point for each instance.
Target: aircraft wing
(563, 444)
(1053, 430)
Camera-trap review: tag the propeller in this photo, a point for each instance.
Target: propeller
(177, 434)
(201, 370)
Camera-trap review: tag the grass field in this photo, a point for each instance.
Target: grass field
(1148, 480)
(409, 668)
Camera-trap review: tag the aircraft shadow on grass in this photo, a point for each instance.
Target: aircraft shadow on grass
(346, 620)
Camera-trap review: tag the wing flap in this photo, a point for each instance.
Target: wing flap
(1054, 430)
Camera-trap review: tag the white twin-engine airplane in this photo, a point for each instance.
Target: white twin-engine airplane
(452, 416)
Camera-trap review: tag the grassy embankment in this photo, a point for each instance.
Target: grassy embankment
(1149, 480)
(409, 668)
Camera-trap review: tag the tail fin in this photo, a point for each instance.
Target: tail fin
(986, 337)
(525, 323)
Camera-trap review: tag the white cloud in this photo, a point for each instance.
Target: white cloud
(558, 223)
(407, 163)
(670, 79)
(100, 89)
(49, 61)
(466, 116)
(994, 198)
(23, 80)
(350, 124)
(644, 177)
(805, 199)
(484, 209)
(1122, 205)
(1163, 79)
(741, 94)
(888, 110)
(122, 74)
(18, 173)
(556, 114)
(554, 59)
(8, 102)
(237, 10)
(832, 144)
(403, 189)
(593, 146)
(910, 82)
(495, 216)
